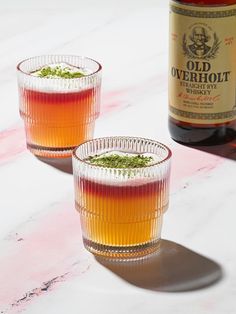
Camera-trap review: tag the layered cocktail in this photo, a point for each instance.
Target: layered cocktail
(59, 102)
(121, 193)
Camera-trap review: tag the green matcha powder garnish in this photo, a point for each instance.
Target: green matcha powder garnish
(120, 161)
(58, 72)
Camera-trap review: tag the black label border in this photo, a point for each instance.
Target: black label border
(203, 14)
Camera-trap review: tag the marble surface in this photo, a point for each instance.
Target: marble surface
(43, 265)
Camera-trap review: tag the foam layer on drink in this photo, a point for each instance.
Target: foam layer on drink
(59, 77)
(63, 67)
(127, 175)
(153, 157)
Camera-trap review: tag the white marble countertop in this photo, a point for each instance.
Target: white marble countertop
(43, 265)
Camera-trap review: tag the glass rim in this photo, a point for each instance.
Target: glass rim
(18, 67)
(169, 152)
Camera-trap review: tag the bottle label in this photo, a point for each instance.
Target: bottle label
(202, 68)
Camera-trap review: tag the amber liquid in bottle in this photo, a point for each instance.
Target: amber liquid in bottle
(197, 133)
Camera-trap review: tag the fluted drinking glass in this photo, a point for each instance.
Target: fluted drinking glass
(58, 113)
(121, 210)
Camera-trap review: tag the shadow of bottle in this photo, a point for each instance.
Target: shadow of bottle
(173, 269)
(227, 150)
(62, 164)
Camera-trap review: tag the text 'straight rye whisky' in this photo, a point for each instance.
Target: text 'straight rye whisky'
(202, 71)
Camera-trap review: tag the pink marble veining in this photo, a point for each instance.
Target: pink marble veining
(189, 162)
(119, 99)
(12, 143)
(20, 304)
(112, 101)
(47, 248)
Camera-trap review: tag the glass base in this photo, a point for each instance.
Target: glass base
(50, 152)
(122, 253)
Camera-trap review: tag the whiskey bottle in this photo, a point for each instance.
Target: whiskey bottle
(202, 71)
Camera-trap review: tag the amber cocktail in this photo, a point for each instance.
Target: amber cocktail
(59, 102)
(121, 193)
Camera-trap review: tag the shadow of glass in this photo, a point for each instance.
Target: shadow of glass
(173, 269)
(227, 150)
(62, 164)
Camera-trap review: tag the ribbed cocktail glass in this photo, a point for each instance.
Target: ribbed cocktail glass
(59, 113)
(121, 210)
